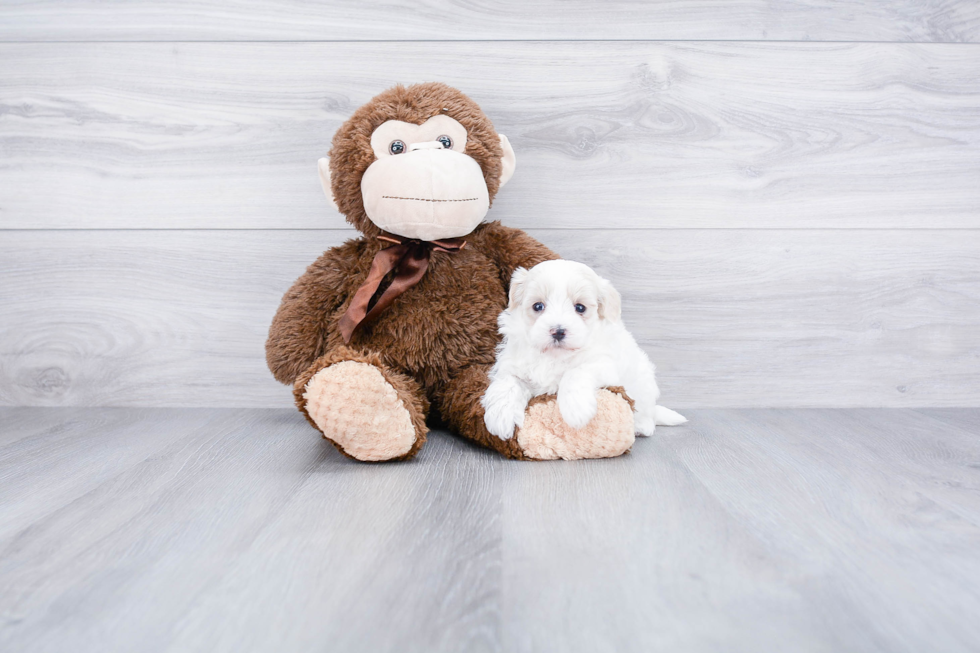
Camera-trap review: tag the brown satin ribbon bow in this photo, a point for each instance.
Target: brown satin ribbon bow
(409, 258)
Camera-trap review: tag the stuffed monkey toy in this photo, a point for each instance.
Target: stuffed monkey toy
(402, 321)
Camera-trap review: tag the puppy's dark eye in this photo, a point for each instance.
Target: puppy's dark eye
(538, 307)
(446, 142)
(580, 308)
(396, 147)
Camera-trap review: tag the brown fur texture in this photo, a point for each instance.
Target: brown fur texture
(439, 337)
(437, 341)
(465, 416)
(442, 324)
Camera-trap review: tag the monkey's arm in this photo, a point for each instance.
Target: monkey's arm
(510, 249)
(299, 331)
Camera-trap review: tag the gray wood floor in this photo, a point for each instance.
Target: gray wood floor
(125, 529)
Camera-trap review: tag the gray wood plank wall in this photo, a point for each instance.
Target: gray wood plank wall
(353, 20)
(792, 214)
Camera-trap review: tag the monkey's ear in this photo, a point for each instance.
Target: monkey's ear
(517, 288)
(508, 162)
(324, 167)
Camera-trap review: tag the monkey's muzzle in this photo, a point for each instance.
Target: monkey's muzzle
(427, 193)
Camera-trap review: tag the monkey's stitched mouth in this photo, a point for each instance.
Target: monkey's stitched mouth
(423, 199)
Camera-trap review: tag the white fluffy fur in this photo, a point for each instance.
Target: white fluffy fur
(596, 351)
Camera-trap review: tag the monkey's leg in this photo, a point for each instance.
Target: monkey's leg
(544, 435)
(459, 406)
(367, 410)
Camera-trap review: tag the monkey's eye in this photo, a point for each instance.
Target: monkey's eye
(538, 307)
(580, 308)
(446, 142)
(396, 147)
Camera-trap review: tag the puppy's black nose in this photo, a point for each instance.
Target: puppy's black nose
(558, 334)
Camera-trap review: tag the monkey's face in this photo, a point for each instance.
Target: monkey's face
(421, 162)
(422, 184)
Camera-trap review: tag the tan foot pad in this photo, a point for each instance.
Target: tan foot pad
(546, 437)
(356, 408)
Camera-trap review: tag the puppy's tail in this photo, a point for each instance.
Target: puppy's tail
(666, 417)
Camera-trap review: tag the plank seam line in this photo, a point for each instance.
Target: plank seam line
(597, 228)
(388, 41)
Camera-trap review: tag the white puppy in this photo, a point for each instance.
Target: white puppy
(563, 334)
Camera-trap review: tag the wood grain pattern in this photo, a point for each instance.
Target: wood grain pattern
(731, 317)
(636, 554)
(391, 558)
(745, 530)
(345, 20)
(618, 135)
(245, 517)
(967, 419)
(82, 451)
(790, 222)
(20, 422)
(815, 490)
(742, 531)
(937, 451)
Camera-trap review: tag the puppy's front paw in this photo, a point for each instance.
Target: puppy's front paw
(503, 410)
(577, 406)
(501, 420)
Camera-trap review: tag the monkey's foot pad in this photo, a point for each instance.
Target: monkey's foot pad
(545, 435)
(354, 407)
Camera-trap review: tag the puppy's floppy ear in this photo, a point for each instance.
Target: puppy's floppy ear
(517, 288)
(610, 302)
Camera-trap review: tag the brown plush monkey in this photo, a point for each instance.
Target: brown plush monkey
(384, 327)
